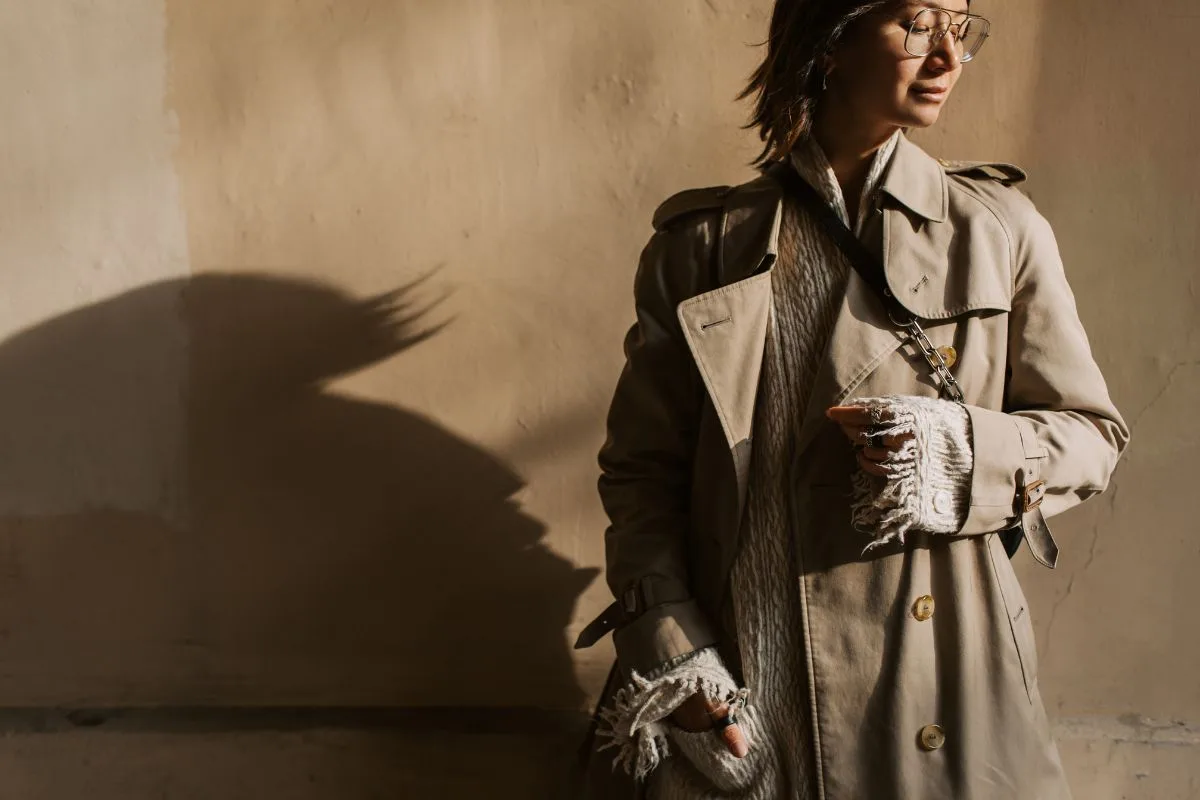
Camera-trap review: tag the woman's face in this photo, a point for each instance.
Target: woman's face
(884, 84)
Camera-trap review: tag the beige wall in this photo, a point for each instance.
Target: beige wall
(313, 310)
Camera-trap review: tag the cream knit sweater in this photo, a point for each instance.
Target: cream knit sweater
(927, 490)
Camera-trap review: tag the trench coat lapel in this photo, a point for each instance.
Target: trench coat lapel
(862, 337)
(726, 328)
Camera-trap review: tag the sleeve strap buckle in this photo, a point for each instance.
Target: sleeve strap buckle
(1032, 496)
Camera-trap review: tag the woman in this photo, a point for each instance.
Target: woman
(814, 598)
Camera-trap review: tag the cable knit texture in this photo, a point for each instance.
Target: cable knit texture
(928, 487)
(763, 608)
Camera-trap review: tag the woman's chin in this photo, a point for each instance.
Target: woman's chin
(922, 117)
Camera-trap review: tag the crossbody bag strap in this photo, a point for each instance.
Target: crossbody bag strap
(870, 268)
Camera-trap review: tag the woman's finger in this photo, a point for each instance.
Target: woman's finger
(735, 740)
(861, 416)
(873, 467)
(876, 454)
(732, 734)
(693, 715)
(853, 432)
(862, 438)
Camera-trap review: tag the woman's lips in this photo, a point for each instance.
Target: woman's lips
(931, 92)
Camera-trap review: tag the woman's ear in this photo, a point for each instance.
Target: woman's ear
(827, 67)
(829, 61)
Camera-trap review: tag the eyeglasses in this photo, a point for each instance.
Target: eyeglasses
(929, 27)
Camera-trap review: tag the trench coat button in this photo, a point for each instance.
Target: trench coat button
(932, 737)
(949, 355)
(923, 608)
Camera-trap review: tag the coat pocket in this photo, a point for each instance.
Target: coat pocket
(707, 754)
(1017, 609)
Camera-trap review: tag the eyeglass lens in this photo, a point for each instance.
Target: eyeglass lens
(930, 26)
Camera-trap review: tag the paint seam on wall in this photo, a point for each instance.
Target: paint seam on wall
(1129, 728)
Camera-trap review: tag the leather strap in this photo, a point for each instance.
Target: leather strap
(1030, 491)
(649, 592)
(609, 619)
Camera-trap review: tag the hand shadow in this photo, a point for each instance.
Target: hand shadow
(193, 516)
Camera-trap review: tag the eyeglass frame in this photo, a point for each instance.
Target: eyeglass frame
(941, 33)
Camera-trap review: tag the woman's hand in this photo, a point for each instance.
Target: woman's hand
(696, 715)
(856, 423)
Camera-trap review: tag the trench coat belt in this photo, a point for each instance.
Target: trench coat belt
(647, 593)
(610, 618)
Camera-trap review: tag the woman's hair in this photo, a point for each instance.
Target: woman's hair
(787, 85)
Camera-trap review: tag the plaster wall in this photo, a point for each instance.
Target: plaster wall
(313, 311)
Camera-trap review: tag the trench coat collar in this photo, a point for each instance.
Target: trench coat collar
(917, 180)
(751, 222)
(754, 211)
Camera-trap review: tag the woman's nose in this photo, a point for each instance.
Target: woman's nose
(945, 55)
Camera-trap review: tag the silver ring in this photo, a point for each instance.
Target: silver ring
(875, 440)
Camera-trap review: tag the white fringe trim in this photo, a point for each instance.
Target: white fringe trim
(635, 723)
(928, 487)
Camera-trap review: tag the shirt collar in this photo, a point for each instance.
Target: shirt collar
(900, 169)
(809, 160)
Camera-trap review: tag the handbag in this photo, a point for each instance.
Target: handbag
(870, 268)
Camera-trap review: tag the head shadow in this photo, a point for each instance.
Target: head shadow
(197, 515)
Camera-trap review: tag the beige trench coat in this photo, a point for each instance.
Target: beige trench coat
(972, 257)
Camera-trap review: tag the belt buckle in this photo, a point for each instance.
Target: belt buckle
(1033, 495)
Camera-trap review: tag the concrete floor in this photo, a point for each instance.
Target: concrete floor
(161, 757)
(501, 757)
(279, 755)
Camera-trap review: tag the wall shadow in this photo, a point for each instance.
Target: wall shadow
(307, 547)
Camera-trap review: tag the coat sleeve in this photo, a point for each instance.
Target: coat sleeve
(1058, 424)
(646, 460)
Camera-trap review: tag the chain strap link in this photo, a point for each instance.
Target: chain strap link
(937, 364)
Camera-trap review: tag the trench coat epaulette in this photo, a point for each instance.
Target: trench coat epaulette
(687, 202)
(1008, 174)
